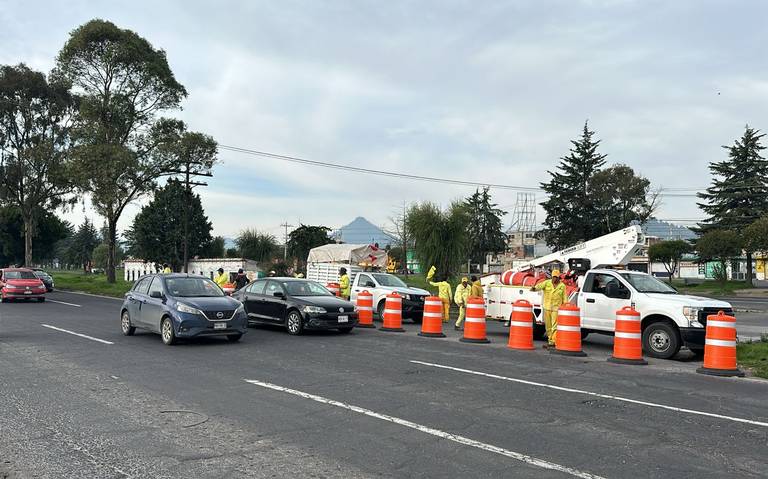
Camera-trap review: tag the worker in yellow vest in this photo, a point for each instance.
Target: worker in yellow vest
(222, 278)
(344, 287)
(460, 298)
(444, 292)
(554, 296)
(477, 288)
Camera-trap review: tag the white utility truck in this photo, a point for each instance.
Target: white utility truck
(599, 286)
(382, 284)
(324, 262)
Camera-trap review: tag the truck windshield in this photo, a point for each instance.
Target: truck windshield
(389, 280)
(646, 283)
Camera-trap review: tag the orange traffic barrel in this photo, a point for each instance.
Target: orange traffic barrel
(393, 314)
(432, 321)
(627, 338)
(568, 333)
(334, 288)
(228, 288)
(365, 310)
(521, 325)
(474, 323)
(720, 346)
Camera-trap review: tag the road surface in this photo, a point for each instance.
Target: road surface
(81, 400)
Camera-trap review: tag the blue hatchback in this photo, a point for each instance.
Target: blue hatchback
(182, 306)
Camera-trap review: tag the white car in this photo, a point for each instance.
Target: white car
(382, 284)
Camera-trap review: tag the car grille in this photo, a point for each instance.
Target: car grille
(709, 311)
(214, 315)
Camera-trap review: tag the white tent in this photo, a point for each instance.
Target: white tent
(353, 254)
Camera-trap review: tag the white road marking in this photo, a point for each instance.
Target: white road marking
(88, 294)
(589, 393)
(76, 334)
(62, 302)
(434, 432)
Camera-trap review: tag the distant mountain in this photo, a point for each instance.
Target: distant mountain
(362, 231)
(667, 231)
(229, 243)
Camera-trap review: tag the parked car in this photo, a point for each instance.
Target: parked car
(20, 283)
(382, 284)
(46, 278)
(297, 304)
(181, 306)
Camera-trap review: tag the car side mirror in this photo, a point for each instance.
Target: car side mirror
(278, 294)
(156, 295)
(370, 284)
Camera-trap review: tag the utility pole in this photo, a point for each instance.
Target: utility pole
(188, 173)
(285, 241)
(405, 239)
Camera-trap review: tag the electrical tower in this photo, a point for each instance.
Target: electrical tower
(524, 224)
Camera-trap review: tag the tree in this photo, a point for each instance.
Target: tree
(440, 237)
(720, 246)
(402, 235)
(739, 192)
(571, 212)
(50, 229)
(756, 236)
(157, 234)
(82, 245)
(669, 253)
(124, 83)
(101, 255)
(303, 239)
(35, 121)
(260, 247)
(215, 248)
(619, 198)
(485, 231)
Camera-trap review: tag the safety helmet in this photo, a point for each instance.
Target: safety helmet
(556, 273)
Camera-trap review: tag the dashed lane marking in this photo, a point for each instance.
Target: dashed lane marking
(533, 461)
(593, 394)
(64, 303)
(77, 334)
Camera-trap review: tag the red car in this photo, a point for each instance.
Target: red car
(16, 283)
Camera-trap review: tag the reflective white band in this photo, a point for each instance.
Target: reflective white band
(720, 342)
(392, 311)
(474, 320)
(567, 312)
(521, 324)
(624, 317)
(433, 315)
(522, 309)
(627, 335)
(433, 303)
(365, 308)
(721, 324)
(568, 328)
(394, 300)
(474, 306)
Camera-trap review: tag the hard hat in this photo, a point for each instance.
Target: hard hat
(464, 279)
(556, 272)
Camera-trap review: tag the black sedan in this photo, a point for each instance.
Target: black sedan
(296, 304)
(45, 278)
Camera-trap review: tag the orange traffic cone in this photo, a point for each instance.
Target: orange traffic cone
(474, 323)
(521, 325)
(393, 314)
(432, 321)
(720, 347)
(365, 310)
(627, 339)
(568, 333)
(334, 288)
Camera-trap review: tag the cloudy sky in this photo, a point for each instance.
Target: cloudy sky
(481, 91)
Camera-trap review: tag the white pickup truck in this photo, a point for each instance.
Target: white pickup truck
(669, 319)
(382, 284)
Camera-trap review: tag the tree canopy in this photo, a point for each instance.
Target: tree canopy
(669, 253)
(619, 197)
(50, 230)
(440, 237)
(484, 230)
(304, 238)
(255, 245)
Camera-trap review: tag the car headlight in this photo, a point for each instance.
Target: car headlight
(692, 315)
(314, 310)
(183, 308)
(407, 297)
(240, 309)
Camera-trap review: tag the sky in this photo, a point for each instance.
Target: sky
(490, 92)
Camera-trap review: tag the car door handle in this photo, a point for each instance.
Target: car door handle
(590, 300)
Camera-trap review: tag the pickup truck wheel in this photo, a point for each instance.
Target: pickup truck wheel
(417, 318)
(380, 309)
(660, 340)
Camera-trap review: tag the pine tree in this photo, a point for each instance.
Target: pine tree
(571, 213)
(739, 192)
(83, 243)
(485, 228)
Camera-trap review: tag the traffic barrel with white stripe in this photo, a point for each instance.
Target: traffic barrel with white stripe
(432, 321)
(568, 332)
(365, 310)
(393, 314)
(627, 338)
(521, 325)
(334, 288)
(720, 346)
(474, 323)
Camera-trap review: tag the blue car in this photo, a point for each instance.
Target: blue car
(182, 306)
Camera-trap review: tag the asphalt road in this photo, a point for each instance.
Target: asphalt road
(367, 404)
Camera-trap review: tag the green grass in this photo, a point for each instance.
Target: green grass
(710, 287)
(90, 283)
(754, 355)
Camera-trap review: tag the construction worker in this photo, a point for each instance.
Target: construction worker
(477, 288)
(344, 286)
(444, 292)
(166, 269)
(460, 298)
(222, 278)
(554, 296)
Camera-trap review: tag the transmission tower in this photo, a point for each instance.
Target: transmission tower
(523, 228)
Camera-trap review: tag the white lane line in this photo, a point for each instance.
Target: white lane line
(434, 432)
(593, 394)
(76, 334)
(65, 303)
(88, 294)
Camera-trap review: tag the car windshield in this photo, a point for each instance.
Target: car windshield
(192, 288)
(305, 288)
(389, 280)
(646, 283)
(19, 275)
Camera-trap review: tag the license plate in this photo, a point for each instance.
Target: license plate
(27, 292)
(219, 325)
(343, 319)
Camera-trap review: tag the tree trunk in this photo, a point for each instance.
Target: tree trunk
(111, 242)
(28, 226)
(748, 276)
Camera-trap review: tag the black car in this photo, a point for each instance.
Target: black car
(297, 304)
(45, 278)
